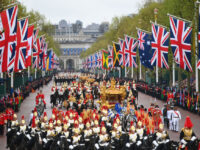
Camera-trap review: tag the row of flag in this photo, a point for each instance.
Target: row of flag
(20, 46)
(152, 46)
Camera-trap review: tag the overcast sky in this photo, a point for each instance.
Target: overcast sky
(88, 11)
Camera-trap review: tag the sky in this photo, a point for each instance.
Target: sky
(88, 11)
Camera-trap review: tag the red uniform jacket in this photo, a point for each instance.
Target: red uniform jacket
(9, 113)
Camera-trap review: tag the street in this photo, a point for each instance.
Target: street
(29, 103)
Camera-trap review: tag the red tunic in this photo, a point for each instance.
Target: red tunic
(2, 118)
(9, 113)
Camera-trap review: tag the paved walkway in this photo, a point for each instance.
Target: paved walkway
(26, 108)
(29, 103)
(146, 100)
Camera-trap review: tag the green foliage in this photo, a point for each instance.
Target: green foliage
(127, 25)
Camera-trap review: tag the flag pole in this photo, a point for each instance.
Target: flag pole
(12, 81)
(173, 74)
(28, 73)
(132, 72)
(196, 48)
(140, 70)
(35, 73)
(155, 15)
(125, 71)
(119, 72)
(140, 76)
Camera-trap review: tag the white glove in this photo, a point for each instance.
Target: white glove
(109, 124)
(183, 141)
(128, 145)
(155, 143)
(167, 141)
(183, 146)
(68, 140)
(97, 146)
(193, 138)
(145, 137)
(44, 140)
(28, 136)
(58, 142)
(9, 129)
(71, 147)
(139, 143)
(18, 133)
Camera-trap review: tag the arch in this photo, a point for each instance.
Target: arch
(70, 64)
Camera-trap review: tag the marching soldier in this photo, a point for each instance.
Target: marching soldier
(176, 117)
(161, 138)
(169, 117)
(157, 116)
(187, 135)
(151, 109)
(3, 120)
(9, 115)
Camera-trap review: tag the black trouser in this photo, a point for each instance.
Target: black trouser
(1, 129)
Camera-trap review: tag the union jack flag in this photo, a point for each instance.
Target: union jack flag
(35, 49)
(40, 46)
(180, 39)
(131, 48)
(110, 56)
(8, 28)
(22, 44)
(159, 46)
(99, 60)
(96, 60)
(93, 61)
(122, 52)
(30, 45)
(88, 62)
(44, 59)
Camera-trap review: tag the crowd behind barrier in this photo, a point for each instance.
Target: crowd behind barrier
(188, 100)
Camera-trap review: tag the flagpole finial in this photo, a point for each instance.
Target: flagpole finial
(155, 14)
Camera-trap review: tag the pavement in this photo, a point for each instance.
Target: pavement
(146, 100)
(29, 104)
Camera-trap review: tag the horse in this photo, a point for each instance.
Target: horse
(40, 108)
(54, 98)
(147, 143)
